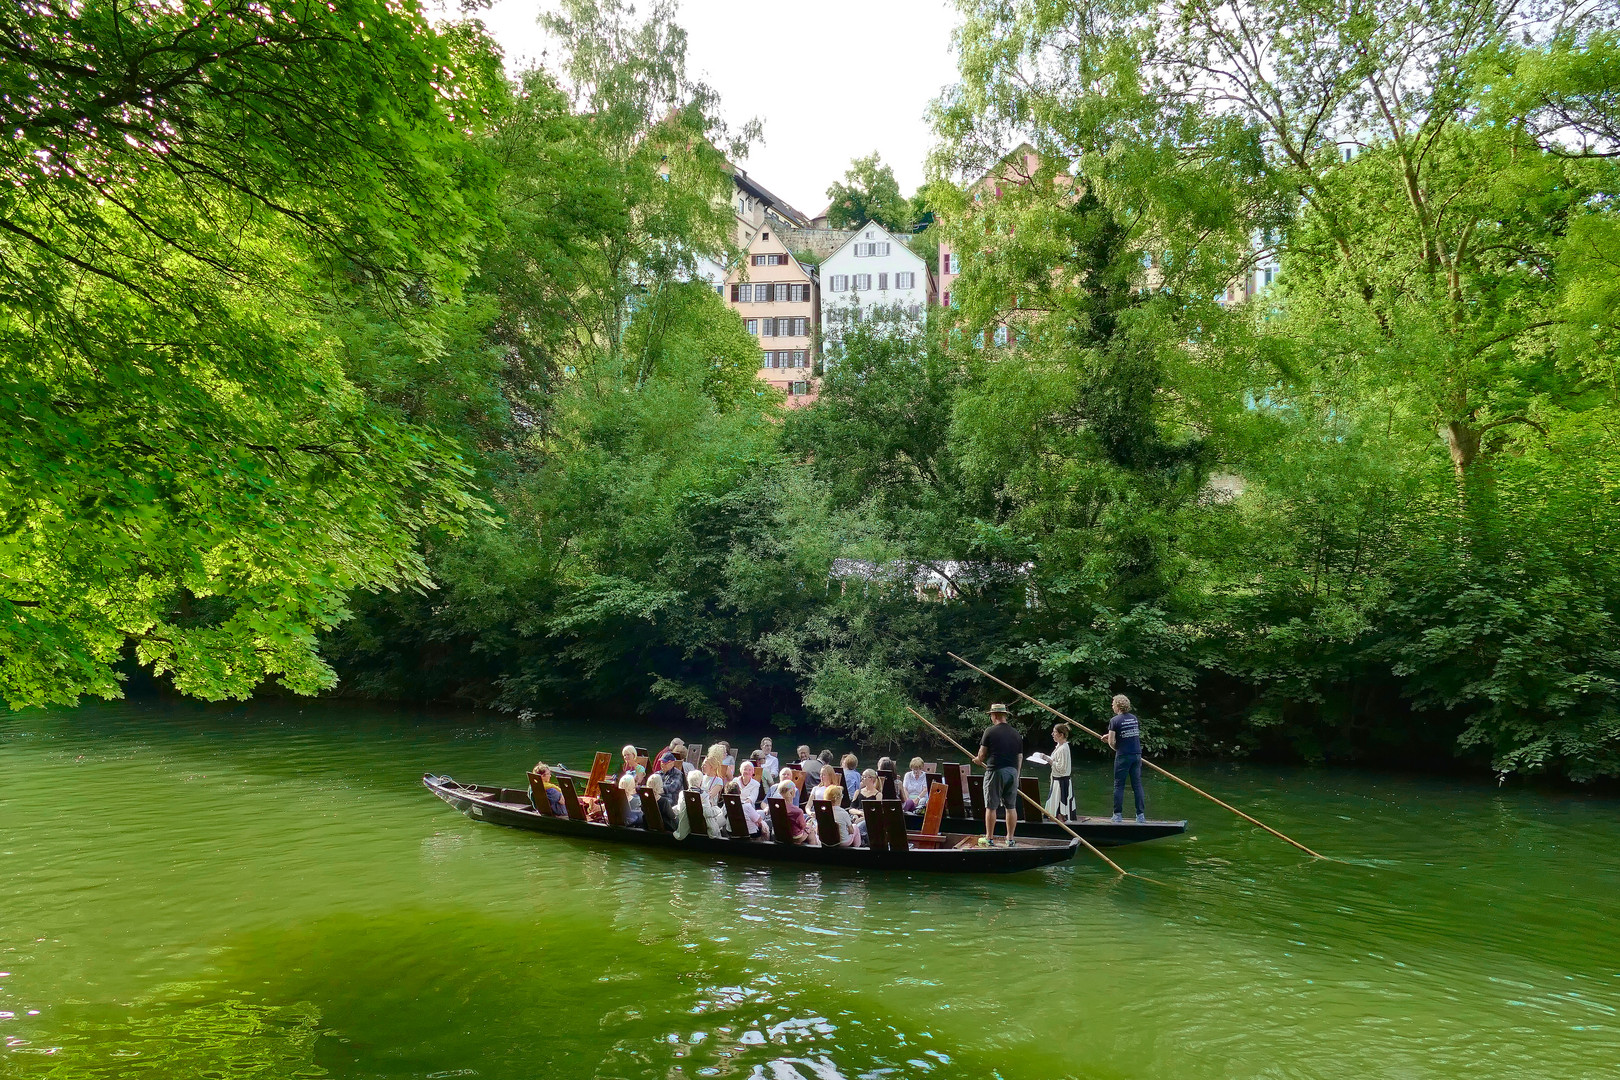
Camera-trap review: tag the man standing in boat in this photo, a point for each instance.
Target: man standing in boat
(1125, 736)
(1001, 752)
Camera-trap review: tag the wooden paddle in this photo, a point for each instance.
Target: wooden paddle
(1156, 768)
(1039, 809)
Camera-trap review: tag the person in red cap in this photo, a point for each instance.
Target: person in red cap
(1001, 752)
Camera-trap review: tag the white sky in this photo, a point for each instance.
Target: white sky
(831, 80)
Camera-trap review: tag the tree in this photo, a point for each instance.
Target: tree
(869, 193)
(190, 190)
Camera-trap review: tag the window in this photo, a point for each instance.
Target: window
(863, 282)
(752, 325)
(906, 279)
(1001, 335)
(767, 359)
(799, 389)
(883, 283)
(769, 327)
(721, 289)
(865, 251)
(798, 357)
(762, 293)
(953, 264)
(801, 293)
(840, 283)
(801, 327)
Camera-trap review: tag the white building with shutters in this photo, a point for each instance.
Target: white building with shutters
(873, 270)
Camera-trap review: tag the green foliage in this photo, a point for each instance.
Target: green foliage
(189, 190)
(869, 192)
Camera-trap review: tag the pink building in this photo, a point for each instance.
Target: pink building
(779, 301)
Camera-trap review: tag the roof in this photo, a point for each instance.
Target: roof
(870, 224)
(740, 176)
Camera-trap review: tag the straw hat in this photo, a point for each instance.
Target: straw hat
(994, 709)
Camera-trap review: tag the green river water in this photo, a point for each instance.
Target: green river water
(268, 891)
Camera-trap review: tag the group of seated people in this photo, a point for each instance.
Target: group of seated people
(760, 776)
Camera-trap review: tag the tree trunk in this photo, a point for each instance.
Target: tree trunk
(1463, 441)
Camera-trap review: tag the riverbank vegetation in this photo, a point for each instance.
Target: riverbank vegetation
(339, 358)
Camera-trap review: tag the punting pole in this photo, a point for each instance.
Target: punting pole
(1156, 768)
(1039, 809)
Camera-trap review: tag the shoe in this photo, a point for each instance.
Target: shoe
(1012, 843)
(1117, 819)
(1141, 819)
(984, 841)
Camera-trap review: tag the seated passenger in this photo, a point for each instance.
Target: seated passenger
(869, 789)
(751, 790)
(914, 788)
(851, 773)
(632, 809)
(666, 801)
(674, 775)
(829, 780)
(554, 797)
(683, 824)
(808, 765)
(847, 836)
(631, 766)
(771, 765)
(800, 826)
(713, 808)
(751, 813)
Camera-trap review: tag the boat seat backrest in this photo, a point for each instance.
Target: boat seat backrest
(614, 804)
(576, 812)
(974, 786)
(889, 784)
(781, 827)
(896, 824)
(877, 824)
(651, 819)
(735, 821)
(599, 771)
(537, 794)
(826, 824)
(696, 819)
(936, 810)
(955, 786)
(1031, 787)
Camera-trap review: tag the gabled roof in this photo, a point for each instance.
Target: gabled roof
(741, 178)
(811, 272)
(857, 234)
(993, 171)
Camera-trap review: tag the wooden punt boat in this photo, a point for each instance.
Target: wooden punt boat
(892, 846)
(964, 808)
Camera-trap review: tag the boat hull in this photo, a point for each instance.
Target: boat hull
(485, 804)
(1100, 832)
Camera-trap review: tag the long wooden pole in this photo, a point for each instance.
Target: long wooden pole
(1156, 768)
(1038, 807)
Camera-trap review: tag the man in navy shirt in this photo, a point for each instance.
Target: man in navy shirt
(1125, 736)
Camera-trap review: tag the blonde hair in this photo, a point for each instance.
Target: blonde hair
(787, 788)
(917, 763)
(851, 761)
(835, 794)
(716, 755)
(655, 784)
(629, 752)
(1122, 702)
(627, 784)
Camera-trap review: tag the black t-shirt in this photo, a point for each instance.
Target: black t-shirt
(1004, 746)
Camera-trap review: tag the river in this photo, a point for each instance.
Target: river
(268, 891)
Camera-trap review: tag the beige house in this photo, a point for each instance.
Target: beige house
(779, 301)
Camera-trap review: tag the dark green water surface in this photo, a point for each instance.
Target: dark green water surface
(268, 891)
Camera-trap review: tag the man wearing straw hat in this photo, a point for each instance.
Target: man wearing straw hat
(1004, 748)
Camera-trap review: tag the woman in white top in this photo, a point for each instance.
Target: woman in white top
(829, 781)
(1061, 801)
(914, 788)
(713, 808)
(752, 792)
(683, 826)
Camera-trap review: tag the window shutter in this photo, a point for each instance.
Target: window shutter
(883, 282)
